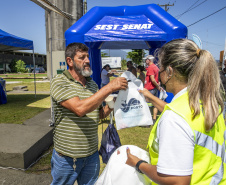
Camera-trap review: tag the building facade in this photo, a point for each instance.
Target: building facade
(7, 57)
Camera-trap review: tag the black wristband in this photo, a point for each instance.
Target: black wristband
(138, 164)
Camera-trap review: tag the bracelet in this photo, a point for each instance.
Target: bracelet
(138, 164)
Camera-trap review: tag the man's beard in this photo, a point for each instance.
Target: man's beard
(82, 71)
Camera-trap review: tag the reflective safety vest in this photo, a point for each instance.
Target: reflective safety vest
(209, 164)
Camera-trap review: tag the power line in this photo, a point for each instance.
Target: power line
(206, 16)
(212, 27)
(213, 43)
(189, 9)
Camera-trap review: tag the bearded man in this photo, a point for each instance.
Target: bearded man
(77, 104)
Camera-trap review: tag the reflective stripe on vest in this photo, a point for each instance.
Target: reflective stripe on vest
(208, 142)
(219, 150)
(219, 175)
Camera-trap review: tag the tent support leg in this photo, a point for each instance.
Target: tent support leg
(34, 72)
(52, 121)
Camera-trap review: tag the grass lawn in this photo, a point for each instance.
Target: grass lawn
(21, 107)
(26, 79)
(22, 75)
(44, 86)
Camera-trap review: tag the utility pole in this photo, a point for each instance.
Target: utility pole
(56, 25)
(85, 7)
(166, 6)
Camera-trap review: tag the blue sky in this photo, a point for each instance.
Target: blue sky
(25, 19)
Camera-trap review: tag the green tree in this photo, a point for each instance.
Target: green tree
(104, 54)
(136, 55)
(12, 66)
(123, 64)
(20, 66)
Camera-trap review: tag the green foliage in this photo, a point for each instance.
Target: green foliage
(123, 64)
(20, 66)
(104, 54)
(12, 66)
(136, 55)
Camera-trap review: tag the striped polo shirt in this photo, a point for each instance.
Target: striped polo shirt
(74, 136)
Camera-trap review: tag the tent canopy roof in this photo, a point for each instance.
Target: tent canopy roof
(9, 42)
(126, 27)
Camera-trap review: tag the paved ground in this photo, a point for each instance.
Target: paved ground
(17, 177)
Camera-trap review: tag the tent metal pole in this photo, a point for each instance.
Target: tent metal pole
(51, 65)
(34, 71)
(51, 44)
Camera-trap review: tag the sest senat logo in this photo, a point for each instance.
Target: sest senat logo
(132, 104)
(124, 26)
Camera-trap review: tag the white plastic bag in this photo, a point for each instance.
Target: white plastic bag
(130, 108)
(117, 172)
(163, 95)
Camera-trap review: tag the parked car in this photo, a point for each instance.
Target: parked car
(39, 70)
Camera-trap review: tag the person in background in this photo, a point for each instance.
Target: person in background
(223, 80)
(131, 68)
(187, 143)
(140, 70)
(77, 104)
(151, 80)
(105, 75)
(223, 75)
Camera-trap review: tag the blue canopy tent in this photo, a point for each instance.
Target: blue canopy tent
(124, 27)
(9, 42)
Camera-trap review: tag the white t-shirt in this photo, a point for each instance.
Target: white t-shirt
(176, 144)
(104, 78)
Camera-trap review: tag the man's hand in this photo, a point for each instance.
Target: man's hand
(119, 83)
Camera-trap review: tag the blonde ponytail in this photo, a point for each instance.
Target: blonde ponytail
(204, 84)
(199, 70)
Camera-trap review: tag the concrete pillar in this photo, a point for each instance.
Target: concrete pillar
(56, 25)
